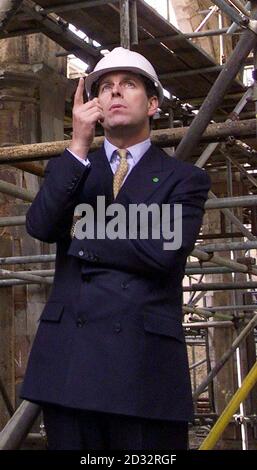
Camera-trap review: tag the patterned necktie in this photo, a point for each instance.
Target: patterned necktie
(121, 171)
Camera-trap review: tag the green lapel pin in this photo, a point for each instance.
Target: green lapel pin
(155, 179)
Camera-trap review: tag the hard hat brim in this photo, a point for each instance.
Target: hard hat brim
(94, 76)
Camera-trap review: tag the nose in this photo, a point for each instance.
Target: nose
(116, 89)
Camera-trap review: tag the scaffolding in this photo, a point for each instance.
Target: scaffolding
(226, 143)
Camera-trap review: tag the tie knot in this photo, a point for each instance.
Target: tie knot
(123, 153)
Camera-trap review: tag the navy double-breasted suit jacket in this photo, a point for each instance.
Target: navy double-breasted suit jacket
(110, 337)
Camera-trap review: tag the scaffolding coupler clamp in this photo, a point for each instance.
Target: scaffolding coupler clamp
(210, 256)
(252, 25)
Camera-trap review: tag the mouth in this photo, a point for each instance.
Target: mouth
(116, 106)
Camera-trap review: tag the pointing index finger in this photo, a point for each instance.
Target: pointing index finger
(78, 97)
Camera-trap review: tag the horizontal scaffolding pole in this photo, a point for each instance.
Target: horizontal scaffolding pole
(15, 191)
(161, 138)
(5, 274)
(209, 324)
(208, 286)
(226, 246)
(230, 307)
(27, 259)
(19, 282)
(206, 313)
(34, 272)
(222, 261)
(211, 270)
(236, 201)
(180, 37)
(12, 221)
(216, 203)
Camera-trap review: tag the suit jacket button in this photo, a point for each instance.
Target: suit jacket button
(117, 327)
(80, 322)
(124, 285)
(81, 252)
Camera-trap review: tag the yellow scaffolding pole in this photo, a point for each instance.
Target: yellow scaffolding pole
(224, 419)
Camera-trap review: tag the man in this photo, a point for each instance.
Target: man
(109, 362)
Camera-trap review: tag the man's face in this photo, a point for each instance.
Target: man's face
(123, 98)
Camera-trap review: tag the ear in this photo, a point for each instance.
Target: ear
(153, 104)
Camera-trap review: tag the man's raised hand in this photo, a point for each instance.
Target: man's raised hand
(84, 119)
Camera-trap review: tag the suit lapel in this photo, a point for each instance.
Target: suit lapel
(143, 181)
(145, 178)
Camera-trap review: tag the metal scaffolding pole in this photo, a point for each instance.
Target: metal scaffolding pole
(232, 12)
(243, 334)
(243, 172)
(215, 433)
(234, 201)
(58, 29)
(196, 364)
(19, 282)
(247, 42)
(221, 261)
(241, 7)
(181, 36)
(204, 271)
(212, 10)
(209, 324)
(5, 274)
(13, 190)
(19, 425)
(27, 259)
(234, 220)
(228, 246)
(12, 221)
(234, 25)
(207, 286)
(5, 398)
(124, 24)
(35, 272)
(162, 138)
(230, 307)
(134, 25)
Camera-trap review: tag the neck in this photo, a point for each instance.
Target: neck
(122, 139)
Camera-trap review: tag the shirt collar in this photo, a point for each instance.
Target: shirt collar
(136, 151)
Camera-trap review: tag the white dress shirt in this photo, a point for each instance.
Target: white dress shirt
(135, 153)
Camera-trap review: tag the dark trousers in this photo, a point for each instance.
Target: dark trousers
(72, 429)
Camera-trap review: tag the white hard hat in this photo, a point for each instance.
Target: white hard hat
(124, 59)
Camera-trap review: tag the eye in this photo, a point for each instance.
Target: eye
(129, 84)
(105, 87)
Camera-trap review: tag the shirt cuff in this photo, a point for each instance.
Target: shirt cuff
(84, 161)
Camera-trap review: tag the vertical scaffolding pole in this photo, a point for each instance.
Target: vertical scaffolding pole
(134, 25)
(124, 24)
